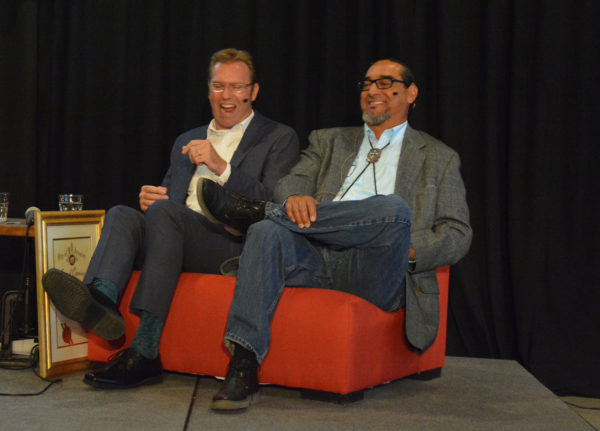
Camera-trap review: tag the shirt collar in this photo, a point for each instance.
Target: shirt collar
(238, 127)
(393, 133)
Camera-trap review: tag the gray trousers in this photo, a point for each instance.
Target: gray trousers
(163, 242)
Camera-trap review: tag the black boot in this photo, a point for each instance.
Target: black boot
(84, 304)
(240, 388)
(223, 207)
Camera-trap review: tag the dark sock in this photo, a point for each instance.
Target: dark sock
(147, 337)
(107, 288)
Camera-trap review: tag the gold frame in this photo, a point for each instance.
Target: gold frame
(63, 240)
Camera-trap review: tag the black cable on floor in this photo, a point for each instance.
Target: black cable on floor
(191, 406)
(580, 406)
(33, 361)
(31, 394)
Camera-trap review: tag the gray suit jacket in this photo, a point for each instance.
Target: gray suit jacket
(266, 153)
(428, 179)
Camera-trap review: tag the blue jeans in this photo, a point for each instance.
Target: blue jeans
(359, 247)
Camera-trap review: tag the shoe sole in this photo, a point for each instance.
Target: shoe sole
(73, 299)
(229, 405)
(230, 266)
(206, 212)
(106, 385)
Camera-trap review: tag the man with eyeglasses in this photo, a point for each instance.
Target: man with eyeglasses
(371, 210)
(240, 149)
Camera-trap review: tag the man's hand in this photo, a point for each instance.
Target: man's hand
(302, 210)
(150, 194)
(201, 152)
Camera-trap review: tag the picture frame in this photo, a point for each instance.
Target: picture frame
(64, 240)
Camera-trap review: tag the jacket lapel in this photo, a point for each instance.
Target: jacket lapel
(351, 144)
(251, 136)
(185, 170)
(411, 160)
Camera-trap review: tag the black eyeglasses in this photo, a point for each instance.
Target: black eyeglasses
(381, 83)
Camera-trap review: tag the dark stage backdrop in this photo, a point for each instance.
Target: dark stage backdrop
(93, 93)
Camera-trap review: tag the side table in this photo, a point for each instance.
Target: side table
(15, 227)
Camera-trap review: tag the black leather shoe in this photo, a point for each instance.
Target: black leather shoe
(127, 370)
(84, 304)
(240, 388)
(223, 207)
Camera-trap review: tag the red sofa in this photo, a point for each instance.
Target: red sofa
(322, 340)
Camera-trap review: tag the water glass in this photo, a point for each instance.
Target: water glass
(4, 196)
(70, 202)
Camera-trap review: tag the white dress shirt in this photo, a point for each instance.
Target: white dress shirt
(225, 142)
(360, 183)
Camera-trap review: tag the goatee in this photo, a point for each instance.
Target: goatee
(375, 120)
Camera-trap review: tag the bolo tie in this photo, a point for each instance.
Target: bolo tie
(372, 158)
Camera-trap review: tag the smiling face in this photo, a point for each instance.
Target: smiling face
(230, 108)
(384, 109)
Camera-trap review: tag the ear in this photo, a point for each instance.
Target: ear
(255, 89)
(413, 92)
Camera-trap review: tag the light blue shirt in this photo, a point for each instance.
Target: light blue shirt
(384, 170)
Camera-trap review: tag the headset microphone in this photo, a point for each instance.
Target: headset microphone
(395, 93)
(245, 100)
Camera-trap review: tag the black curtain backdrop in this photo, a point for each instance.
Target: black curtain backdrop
(93, 93)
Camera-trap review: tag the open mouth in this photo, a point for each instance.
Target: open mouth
(374, 103)
(227, 108)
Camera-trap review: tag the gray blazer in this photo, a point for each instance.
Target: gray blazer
(428, 179)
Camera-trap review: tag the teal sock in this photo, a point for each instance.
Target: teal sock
(147, 337)
(107, 288)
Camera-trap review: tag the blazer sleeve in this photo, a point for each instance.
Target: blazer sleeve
(440, 236)
(448, 237)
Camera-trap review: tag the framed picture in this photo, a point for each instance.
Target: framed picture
(64, 240)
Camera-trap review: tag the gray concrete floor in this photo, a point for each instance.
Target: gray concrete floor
(472, 394)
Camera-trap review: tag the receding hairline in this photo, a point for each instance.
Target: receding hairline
(232, 55)
(406, 73)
